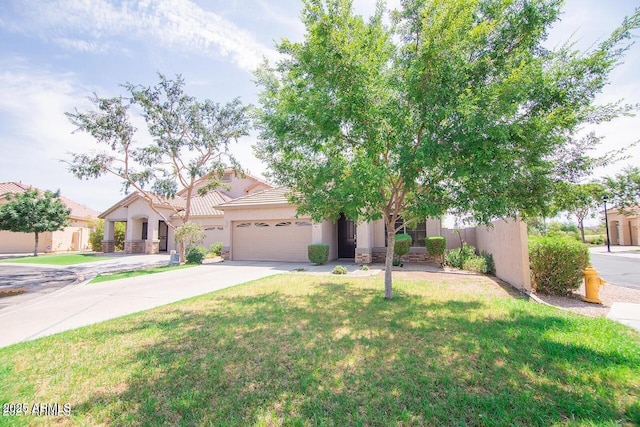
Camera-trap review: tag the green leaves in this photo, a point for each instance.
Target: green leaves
(34, 212)
(190, 138)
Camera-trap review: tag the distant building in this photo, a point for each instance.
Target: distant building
(624, 226)
(74, 237)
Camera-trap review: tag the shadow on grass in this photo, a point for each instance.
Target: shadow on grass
(345, 356)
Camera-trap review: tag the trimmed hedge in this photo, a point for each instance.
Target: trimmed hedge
(195, 254)
(402, 244)
(436, 245)
(556, 264)
(318, 253)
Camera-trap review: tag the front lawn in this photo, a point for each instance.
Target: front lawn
(58, 259)
(141, 272)
(320, 350)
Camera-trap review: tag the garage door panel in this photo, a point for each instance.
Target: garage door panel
(281, 240)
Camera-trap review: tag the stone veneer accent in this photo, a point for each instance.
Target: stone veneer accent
(134, 247)
(364, 258)
(414, 255)
(225, 253)
(108, 246)
(152, 247)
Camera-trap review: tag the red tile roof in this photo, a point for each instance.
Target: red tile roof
(78, 211)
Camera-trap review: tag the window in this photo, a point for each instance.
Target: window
(261, 224)
(145, 230)
(303, 223)
(283, 224)
(417, 231)
(243, 225)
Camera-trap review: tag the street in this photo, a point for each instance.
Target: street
(618, 270)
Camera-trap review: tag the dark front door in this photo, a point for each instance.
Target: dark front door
(346, 238)
(163, 232)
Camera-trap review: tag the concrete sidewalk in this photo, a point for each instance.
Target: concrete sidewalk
(626, 313)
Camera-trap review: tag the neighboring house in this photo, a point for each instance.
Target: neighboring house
(624, 227)
(74, 237)
(255, 222)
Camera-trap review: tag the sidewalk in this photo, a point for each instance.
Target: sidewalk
(625, 251)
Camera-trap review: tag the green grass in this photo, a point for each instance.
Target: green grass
(143, 272)
(326, 350)
(58, 259)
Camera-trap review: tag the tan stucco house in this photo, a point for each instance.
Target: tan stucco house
(624, 227)
(254, 221)
(74, 237)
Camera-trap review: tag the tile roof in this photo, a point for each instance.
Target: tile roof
(204, 205)
(178, 202)
(273, 196)
(78, 211)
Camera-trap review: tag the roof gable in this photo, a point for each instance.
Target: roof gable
(78, 211)
(272, 196)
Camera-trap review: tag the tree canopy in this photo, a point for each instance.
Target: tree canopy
(579, 200)
(624, 188)
(34, 212)
(190, 141)
(454, 107)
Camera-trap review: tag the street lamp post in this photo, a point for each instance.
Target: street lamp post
(606, 222)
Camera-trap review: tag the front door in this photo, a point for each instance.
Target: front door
(346, 238)
(163, 232)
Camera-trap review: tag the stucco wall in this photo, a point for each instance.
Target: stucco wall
(507, 242)
(22, 242)
(330, 237)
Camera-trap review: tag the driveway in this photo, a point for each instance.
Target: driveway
(31, 282)
(80, 305)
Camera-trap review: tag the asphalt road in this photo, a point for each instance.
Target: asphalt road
(618, 270)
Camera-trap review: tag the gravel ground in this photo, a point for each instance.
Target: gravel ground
(608, 294)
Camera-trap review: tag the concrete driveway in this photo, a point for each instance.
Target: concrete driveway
(81, 304)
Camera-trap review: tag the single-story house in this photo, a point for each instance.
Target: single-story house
(74, 237)
(254, 221)
(624, 226)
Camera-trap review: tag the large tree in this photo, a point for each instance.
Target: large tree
(34, 212)
(454, 107)
(624, 188)
(190, 140)
(579, 200)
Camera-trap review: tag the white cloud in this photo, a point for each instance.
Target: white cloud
(36, 134)
(95, 25)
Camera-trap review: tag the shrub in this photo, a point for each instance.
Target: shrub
(364, 267)
(216, 248)
(456, 257)
(195, 254)
(557, 264)
(402, 244)
(338, 269)
(436, 245)
(95, 239)
(318, 253)
(479, 263)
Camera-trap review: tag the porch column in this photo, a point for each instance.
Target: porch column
(364, 243)
(108, 240)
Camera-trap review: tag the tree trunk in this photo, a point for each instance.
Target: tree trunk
(581, 226)
(391, 239)
(35, 248)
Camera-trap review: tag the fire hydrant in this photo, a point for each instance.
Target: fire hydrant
(592, 285)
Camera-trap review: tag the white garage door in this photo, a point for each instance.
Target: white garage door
(282, 240)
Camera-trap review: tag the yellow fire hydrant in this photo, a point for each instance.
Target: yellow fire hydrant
(592, 285)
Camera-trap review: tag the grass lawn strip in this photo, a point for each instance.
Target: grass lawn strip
(140, 272)
(58, 259)
(308, 350)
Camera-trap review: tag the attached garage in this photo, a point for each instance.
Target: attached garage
(271, 240)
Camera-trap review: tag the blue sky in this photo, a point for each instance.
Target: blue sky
(55, 53)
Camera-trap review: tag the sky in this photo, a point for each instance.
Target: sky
(55, 53)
